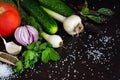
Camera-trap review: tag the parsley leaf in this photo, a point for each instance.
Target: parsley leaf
(36, 47)
(31, 46)
(90, 14)
(30, 58)
(44, 45)
(45, 55)
(19, 67)
(48, 53)
(105, 11)
(96, 19)
(54, 56)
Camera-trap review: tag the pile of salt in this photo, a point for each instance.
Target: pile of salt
(5, 71)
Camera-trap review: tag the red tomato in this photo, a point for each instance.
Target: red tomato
(9, 19)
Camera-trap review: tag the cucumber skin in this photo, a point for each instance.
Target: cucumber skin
(57, 6)
(34, 9)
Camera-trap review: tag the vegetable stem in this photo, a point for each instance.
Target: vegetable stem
(45, 35)
(54, 14)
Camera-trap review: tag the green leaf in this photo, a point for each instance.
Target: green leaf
(36, 47)
(54, 56)
(96, 19)
(43, 46)
(30, 58)
(50, 54)
(31, 46)
(19, 67)
(85, 10)
(105, 11)
(45, 55)
(49, 44)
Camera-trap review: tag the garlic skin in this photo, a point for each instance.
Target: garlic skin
(12, 48)
(73, 25)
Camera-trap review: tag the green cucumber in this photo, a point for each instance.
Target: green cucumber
(34, 9)
(27, 19)
(57, 6)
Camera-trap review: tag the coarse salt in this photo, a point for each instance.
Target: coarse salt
(5, 71)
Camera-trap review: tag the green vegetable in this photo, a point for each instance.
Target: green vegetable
(31, 46)
(34, 9)
(57, 6)
(30, 58)
(19, 67)
(44, 45)
(36, 47)
(96, 19)
(48, 53)
(45, 52)
(95, 15)
(34, 51)
(105, 11)
(85, 10)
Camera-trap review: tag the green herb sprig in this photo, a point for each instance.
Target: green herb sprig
(34, 52)
(87, 12)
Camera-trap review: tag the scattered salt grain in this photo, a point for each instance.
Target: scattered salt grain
(96, 49)
(5, 71)
(105, 39)
(96, 54)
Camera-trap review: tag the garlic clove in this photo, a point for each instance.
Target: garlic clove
(12, 48)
